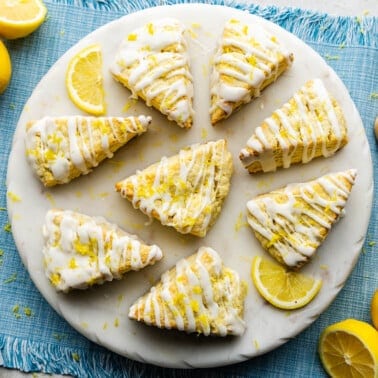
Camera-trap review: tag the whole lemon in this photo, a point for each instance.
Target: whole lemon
(374, 309)
(5, 67)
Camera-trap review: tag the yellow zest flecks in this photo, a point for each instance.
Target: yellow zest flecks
(246, 54)
(310, 125)
(50, 198)
(145, 67)
(306, 212)
(131, 102)
(132, 37)
(75, 356)
(256, 344)
(240, 222)
(80, 250)
(7, 227)
(182, 191)
(199, 295)
(14, 197)
(28, 311)
(374, 95)
(192, 34)
(62, 148)
(105, 326)
(204, 133)
(150, 28)
(116, 322)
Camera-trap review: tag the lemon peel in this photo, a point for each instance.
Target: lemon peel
(5, 68)
(283, 288)
(19, 18)
(349, 349)
(84, 80)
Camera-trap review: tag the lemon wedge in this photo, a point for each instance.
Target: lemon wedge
(19, 18)
(350, 349)
(5, 68)
(283, 288)
(84, 80)
(374, 309)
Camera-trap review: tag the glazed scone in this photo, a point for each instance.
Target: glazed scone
(292, 222)
(80, 251)
(60, 149)
(198, 295)
(311, 124)
(248, 59)
(185, 191)
(153, 63)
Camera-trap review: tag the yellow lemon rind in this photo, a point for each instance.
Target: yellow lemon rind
(5, 68)
(13, 29)
(283, 305)
(363, 332)
(82, 104)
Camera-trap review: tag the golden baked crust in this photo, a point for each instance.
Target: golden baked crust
(60, 149)
(185, 191)
(292, 222)
(247, 60)
(80, 251)
(153, 64)
(198, 295)
(311, 124)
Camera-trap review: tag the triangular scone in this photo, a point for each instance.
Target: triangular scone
(247, 60)
(153, 63)
(184, 191)
(80, 251)
(198, 295)
(309, 125)
(292, 222)
(62, 148)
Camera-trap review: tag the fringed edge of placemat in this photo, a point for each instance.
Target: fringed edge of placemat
(339, 30)
(52, 358)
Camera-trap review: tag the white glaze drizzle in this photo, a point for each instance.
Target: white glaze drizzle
(146, 63)
(308, 118)
(178, 200)
(188, 295)
(59, 144)
(282, 223)
(257, 47)
(80, 250)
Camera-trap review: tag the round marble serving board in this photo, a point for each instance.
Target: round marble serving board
(100, 313)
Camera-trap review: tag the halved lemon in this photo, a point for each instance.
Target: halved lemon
(84, 80)
(350, 349)
(374, 309)
(281, 287)
(5, 67)
(19, 18)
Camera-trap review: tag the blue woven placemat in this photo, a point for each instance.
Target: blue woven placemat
(33, 337)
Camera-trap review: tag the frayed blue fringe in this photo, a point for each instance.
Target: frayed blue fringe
(47, 358)
(310, 25)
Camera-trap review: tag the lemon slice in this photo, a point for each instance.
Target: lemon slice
(374, 309)
(84, 80)
(281, 287)
(350, 349)
(19, 18)
(5, 67)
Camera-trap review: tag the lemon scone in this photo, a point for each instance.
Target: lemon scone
(62, 148)
(311, 124)
(248, 58)
(185, 191)
(198, 295)
(292, 222)
(80, 251)
(153, 63)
